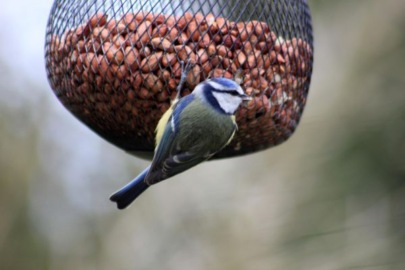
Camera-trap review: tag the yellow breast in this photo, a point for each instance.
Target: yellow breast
(160, 128)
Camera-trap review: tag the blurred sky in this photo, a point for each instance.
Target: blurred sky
(24, 32)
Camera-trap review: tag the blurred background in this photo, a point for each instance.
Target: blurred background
(331, 197)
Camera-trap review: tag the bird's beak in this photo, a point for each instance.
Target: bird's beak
(246, 98)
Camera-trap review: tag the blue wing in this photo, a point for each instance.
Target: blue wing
(169, 160)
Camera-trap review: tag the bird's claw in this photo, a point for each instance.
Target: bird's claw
(185, 69)
(239, 76)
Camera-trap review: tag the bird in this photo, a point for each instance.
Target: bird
(192, 130)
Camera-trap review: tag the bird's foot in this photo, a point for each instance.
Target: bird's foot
(185, 69)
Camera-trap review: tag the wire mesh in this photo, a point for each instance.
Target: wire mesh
(116, 64)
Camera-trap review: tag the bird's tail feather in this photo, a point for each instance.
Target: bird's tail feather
(126, 195)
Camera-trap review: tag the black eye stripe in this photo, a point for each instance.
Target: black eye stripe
(231, 92)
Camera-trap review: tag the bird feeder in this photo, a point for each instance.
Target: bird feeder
(116, 65)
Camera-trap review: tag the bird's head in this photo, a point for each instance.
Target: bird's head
(225, 95)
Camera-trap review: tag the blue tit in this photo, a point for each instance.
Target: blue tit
(192, 130)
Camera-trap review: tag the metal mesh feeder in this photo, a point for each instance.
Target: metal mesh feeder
(116, 64)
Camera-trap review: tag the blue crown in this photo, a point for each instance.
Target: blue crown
(227, 83)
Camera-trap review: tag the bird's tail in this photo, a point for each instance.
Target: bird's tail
(126, 195)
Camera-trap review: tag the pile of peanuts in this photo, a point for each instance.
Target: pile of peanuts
(119, 75)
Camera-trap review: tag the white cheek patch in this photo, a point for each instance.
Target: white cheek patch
(227, 102)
